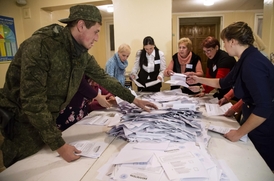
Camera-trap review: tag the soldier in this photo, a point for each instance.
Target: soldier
(43, 77)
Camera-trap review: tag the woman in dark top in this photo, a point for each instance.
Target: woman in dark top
(149, 66)
(253, 81)
(219, 64)
(184, 61)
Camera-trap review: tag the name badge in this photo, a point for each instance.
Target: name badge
(157, 61)
(189, 66)
(214, 68)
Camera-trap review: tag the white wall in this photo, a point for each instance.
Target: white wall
(134, 20)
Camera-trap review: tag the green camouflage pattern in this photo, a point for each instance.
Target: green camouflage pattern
(84, 12)
(40, 81)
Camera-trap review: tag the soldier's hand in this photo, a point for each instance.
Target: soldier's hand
(144, 104)
(68, 152)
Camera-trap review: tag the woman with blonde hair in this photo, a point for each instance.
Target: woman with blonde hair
(116, 65)
(184, 61)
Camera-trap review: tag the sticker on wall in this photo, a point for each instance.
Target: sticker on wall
(8, 44)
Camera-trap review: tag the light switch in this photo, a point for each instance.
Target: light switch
(26, 13)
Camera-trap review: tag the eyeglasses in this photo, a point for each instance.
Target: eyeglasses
(208, 51)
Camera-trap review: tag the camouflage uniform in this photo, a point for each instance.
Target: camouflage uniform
(41, 80)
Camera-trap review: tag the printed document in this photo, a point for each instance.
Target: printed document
(182, 164)
(89, 148)
(224, 130)
(216, 109)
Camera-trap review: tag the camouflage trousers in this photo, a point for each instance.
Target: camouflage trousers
(26, 141)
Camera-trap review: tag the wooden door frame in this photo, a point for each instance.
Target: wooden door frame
(205, 16)
(109, 53)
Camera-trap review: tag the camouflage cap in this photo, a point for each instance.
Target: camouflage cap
(84, 12)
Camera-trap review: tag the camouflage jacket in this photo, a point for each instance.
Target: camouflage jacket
(44, 76)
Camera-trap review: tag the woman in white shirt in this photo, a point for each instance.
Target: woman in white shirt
(149, 66)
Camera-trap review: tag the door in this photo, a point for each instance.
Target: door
(197, 33)
(110, 50)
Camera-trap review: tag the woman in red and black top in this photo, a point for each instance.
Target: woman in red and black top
(219, 64)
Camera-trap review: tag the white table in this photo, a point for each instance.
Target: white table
(46, 165)
(241, 157)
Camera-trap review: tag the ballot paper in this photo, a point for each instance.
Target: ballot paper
(152, 83)
(101, 118)
(136, 174)
(181, 164)
(227, 172)
(172, 125)
(138, 84)
(216, 109)
(178, 79)
(89, 148)
(224, 130)
(179, 105)
(133, 156)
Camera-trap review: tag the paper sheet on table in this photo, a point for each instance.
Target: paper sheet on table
(89, 148)
(179, 105)
(103, 118)
(112, 121)
(181, 164)
(152, 145)
(228, 172)
(152, 83)
(136, 174)
(224, 130)
(132, 156)
(216, 109)
(98, 119)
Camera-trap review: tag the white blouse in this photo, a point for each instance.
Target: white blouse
(150, 65)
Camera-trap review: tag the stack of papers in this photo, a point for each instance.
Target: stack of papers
(167, 161)
(170, 125)
(178, 79)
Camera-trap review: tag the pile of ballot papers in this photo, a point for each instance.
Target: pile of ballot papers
(163, 162)
(159, 126)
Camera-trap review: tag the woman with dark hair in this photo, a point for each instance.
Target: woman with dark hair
(149, 66)
(219, 64)
(252, 80)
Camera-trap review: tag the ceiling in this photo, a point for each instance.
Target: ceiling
(183, 6)
(179, 6)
